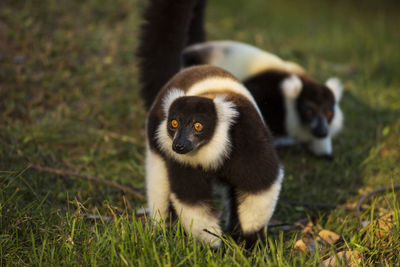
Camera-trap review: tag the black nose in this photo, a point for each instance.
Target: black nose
(320, 132)
(178, 147)
(182, 147)
(321, 129)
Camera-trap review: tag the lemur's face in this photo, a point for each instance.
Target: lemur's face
(316, 109)
(191, 123)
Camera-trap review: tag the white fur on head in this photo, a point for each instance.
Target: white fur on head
(336, 86)
(200, 220)
(211, 155)
(255, 210)
(337, 123)
(170, 97)
(291, 86)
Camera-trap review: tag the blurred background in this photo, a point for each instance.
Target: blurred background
(69, 101)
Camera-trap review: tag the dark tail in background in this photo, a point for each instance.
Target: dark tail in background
(170, 26)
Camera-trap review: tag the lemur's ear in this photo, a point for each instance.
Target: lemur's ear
(291, 86)
(336, 86)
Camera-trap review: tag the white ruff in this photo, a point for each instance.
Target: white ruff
(291, 88)
(211, 155)
(198, 218)
(157, 185)
(255, 210)
(337, 123)
(170, 97)
(336, 86)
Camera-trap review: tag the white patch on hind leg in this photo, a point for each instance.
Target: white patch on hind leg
(198, 218)
(157, 185)
(255, 210)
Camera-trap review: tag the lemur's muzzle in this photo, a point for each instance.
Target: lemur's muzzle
(181, 144)
(321, 128)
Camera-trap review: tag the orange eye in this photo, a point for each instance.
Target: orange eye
(329, 114)
(174, 124)
(198, 126)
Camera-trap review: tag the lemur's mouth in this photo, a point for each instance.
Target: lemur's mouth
(320, 133)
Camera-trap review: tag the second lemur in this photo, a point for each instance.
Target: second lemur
(295, 106)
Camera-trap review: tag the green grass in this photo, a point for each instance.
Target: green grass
(69, 100)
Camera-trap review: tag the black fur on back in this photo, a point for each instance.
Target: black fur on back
(170, 26)
(253, 165)
(266, 90)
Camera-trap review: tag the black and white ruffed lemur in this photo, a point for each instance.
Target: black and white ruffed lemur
(203, 128)
(294, 105)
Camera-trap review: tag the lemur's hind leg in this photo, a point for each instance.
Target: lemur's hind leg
(255, 210)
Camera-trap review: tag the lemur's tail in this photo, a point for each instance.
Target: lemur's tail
(169, 27)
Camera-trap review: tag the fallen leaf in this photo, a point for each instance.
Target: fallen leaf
(350, 206)
(384, 225)
(305, 245)
(345, 258)
(308, 229)
(328, 237)
(301, 246)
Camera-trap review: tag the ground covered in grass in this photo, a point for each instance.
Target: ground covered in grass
(69, 101)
